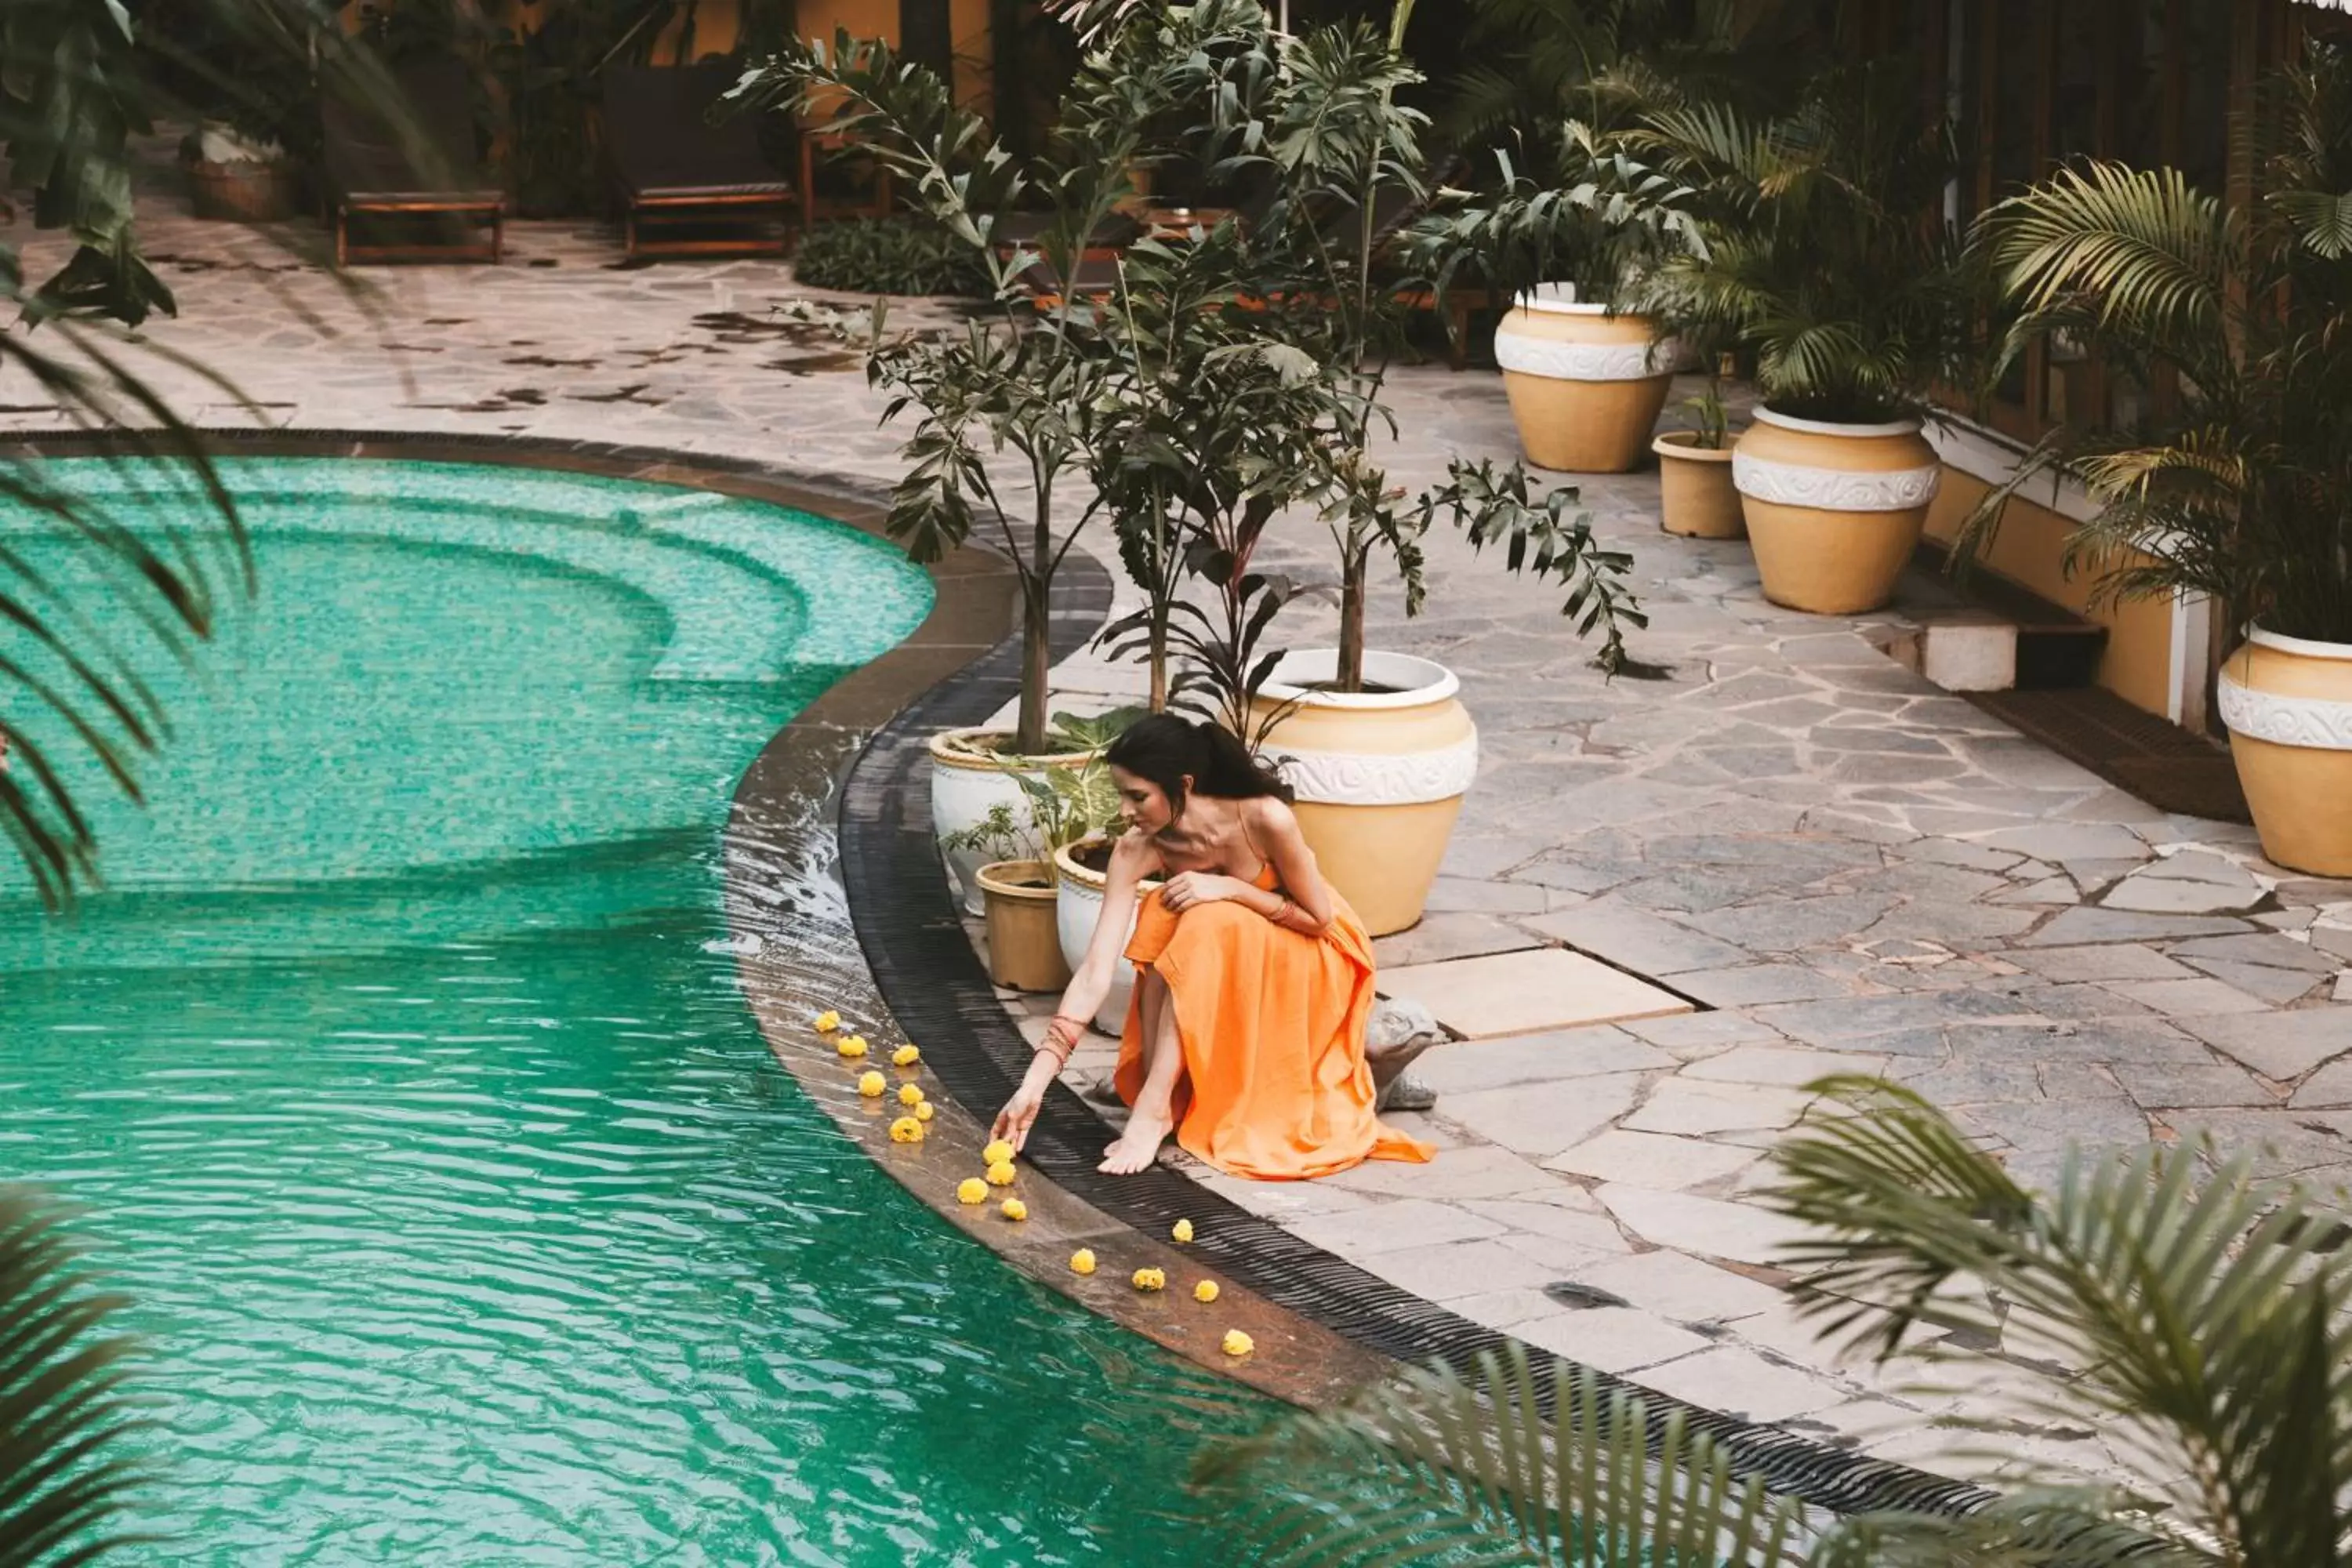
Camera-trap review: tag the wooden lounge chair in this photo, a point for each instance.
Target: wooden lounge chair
(672, 166)
(430, 174)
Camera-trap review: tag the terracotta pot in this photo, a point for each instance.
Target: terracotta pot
(968, 776)
(1025, 950)
(1585, 386)
(1077, 913)
(242, 192)
(1380, 774)
(1696, 496)
(2288, 704)
(1833, 511)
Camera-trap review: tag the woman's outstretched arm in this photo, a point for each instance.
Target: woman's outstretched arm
(1132, 858)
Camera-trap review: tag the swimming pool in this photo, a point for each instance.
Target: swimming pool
(403, 1069)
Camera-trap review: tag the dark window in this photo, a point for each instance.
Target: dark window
(926, 36)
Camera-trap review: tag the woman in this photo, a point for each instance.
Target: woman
(1246, 1037)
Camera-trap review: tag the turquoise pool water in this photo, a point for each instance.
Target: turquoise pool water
(402, 1067)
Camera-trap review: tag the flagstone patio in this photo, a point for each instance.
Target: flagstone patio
(1670, 902)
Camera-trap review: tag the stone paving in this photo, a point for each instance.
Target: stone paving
(1839, 865)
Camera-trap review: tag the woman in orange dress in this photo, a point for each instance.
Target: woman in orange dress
(1253, 982)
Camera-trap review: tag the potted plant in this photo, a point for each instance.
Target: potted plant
(1824, 259)
(2242, 495)
(1696, 496)
(1018, 388)
(235, 175)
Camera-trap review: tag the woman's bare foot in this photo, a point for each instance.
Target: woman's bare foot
(1139, 1145)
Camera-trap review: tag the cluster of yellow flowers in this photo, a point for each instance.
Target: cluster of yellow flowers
(997, 1161)
(1235, 1343)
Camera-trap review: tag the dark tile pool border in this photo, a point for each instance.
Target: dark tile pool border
(857, 754)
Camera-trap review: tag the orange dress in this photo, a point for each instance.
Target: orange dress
(1272, 1022)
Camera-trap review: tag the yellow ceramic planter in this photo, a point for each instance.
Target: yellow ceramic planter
(1024, 946)
(1585, 386)
(1833, 511)
(1696, 496)
(1380, 774)
(2288, 704)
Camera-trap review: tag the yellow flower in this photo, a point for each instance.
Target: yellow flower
(1150, 1280)
(906, 1129)
(910, 1094)
(971, 1190)
(905, 1057)
(1002, 1173)
(1082, 1261)
(1015, 1209)
(851, 1045)
(1238, 1342)
(827, 1021)
(923, 1112)
(871, 1086)
(1206, 1291)
(997, 1152)
(1183, 1231)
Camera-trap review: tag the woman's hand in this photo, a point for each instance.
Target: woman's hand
(1188, 888)
(1013, 1122)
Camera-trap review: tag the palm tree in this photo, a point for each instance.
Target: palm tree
(2208, 1312)
(63, 1416)
(2241, 488)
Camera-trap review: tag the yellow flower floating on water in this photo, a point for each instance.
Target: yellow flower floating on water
(971, 1190)
(910, 1094)
(1082, 1261)
(905, 1057)
(1206, 1291)
(1183, 1231)
(1150, 1280)
(906, 1129)
(827, 1021)
(1002, 1173)
(851, 1045)
(1238, 1343)
(998, 1153)
(871, 1085)
(1015, 1209)
(923, 1112)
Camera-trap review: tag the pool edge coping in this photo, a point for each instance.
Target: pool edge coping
(870, 727)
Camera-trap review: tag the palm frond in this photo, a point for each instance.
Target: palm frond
(1519, 1462)
(2208, 1315)
(2148, 254)
(66, 1478)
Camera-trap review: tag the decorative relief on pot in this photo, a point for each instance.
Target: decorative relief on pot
(2312, 722)
(1557, 360)
(1376, 778)
(1834, 489)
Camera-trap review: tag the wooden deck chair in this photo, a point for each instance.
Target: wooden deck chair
(430, 174)
(673, 167)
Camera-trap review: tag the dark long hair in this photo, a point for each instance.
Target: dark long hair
(1165, 747)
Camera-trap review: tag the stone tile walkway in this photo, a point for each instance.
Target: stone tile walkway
(1843, 866)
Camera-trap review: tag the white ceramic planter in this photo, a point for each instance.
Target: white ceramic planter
(1078, 913)
(966, 784)
(1379, 775)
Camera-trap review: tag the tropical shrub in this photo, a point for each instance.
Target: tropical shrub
(2241, 488)
(902, 255)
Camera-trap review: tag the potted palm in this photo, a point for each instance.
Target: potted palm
(2243, 494)
(1010, 406)
(1586, 372)
(1824, 261)
(1696, 496)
